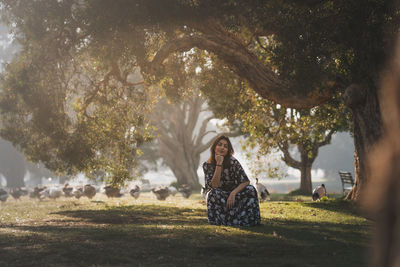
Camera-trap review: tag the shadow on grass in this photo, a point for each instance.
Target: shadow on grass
(141, 214)
(336, 205)
(302, 197)
(155, 235)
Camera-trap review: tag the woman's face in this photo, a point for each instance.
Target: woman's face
(221, 148)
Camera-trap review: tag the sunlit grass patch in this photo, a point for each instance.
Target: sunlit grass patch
(149, 232)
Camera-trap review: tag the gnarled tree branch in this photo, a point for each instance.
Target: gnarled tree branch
(244, 63)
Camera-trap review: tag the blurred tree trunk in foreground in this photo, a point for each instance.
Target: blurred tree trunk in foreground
(381, 198)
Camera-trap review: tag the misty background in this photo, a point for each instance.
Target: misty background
(17, 171)
(339, 155)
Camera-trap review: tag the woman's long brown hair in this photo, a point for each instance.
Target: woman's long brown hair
(227, 158)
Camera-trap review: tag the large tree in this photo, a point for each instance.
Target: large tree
(296, 134)
(76, 114)
(321, 47)
(182, 135)
(179, 145)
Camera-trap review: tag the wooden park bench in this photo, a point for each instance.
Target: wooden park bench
(347, 181)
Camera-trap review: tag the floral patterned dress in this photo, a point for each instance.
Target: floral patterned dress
(246, 211)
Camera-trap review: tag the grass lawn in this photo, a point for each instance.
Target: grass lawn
(175, 232)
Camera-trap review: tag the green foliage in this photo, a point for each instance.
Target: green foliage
(324, 199)
(261, 165)
(272, 127)
(74, 108)
(68, 99)
(269, 127)
(339, 41)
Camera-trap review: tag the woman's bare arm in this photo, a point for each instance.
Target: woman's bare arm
(217, 173)
(217, 176)
(231, 199)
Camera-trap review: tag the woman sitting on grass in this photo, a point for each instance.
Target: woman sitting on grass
(231, 200)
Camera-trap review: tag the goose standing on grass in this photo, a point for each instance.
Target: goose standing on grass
(262, 191)
(67, 190)
(161, 192)
(36, 192)
(111, 191)
(135, 192)
(185, 190)
(16, 193)
(319, 192)
(3, 195)
(77, 192)
(89, 191)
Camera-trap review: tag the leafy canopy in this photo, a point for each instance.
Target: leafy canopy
(70, 97)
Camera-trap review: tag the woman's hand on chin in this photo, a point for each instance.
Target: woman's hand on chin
(219, 159)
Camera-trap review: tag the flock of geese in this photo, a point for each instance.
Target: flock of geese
(89, 191)
(161, 192)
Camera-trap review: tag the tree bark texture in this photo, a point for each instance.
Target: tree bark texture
(381, 198)
(305, 178)
(180, 144)
(307, 159)
(304, 165)
(364, 104)
(176, 145)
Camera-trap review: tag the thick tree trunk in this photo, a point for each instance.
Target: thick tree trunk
(186, 177)
(182, 165)
(381, 199)
(363, 101)
(305, 178)
(180, 145)
(15, 181)
(304, 165)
